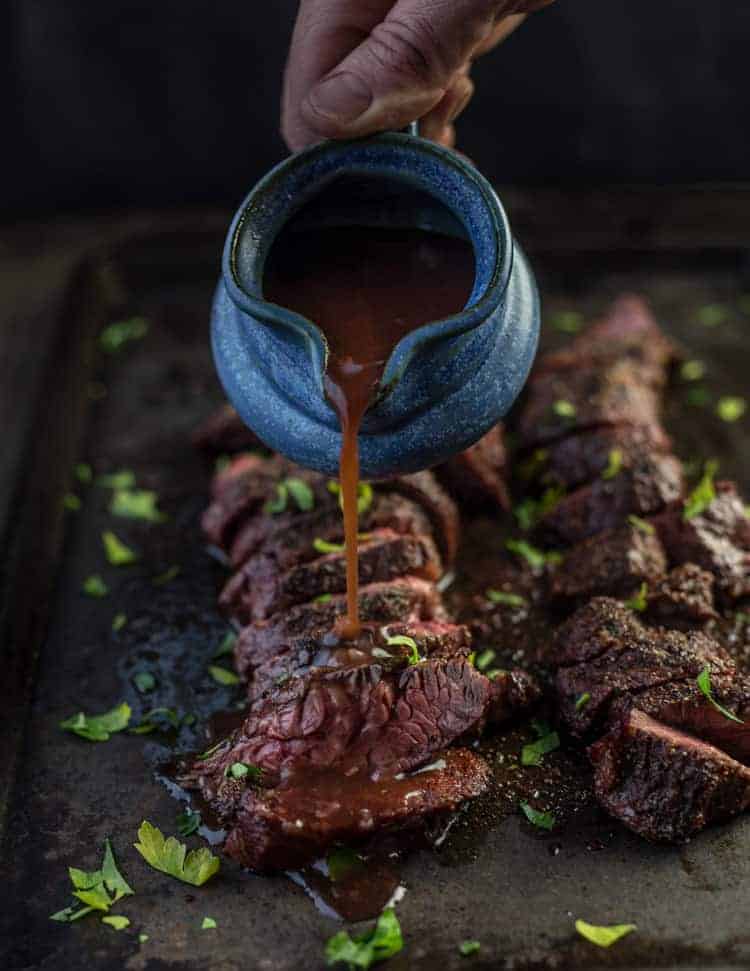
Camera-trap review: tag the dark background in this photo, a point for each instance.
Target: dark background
(167, 102)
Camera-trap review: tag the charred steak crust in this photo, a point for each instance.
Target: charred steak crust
(476, 476)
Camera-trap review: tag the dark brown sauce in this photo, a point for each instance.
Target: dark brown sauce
(365, 289)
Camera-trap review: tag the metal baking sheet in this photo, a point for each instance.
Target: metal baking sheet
(493, 878)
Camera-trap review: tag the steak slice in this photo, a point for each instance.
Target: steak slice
(424, 489)
(475, 476)
(258, 589)
(512, 693)
(601, 625)
(614, 562)
(238, 490)
(405, 599)
(224, 432)
(365, 720)
(433, 639)
(682, 598)
(286, 827)
(662, 783)
(581, 458)
(643, 489)
(718, 539)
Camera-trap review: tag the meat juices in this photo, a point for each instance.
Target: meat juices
(366, 289)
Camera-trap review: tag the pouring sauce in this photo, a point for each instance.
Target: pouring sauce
(365, 289)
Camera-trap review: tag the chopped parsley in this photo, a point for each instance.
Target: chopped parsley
(564, 409)
(116, 335)
(208, 924)
(118, 622)
(188, 822)
(536, 558)
(159, 719)
(222, 675)
(142, 938)
(296, 489)
(226, 645)
(71, 502)
(117, 921)
(533, 465)
(614, 464)
(567, 321)
(124, 479)
(483, 660)
(404, 640)
(323, 598)
(532, 753)
(364, 495)
(84, 473)
(643, 525)
(98, 728)
(171, 857)
(541, 820)
(530, 511)
(703, 494)
(639, 601)
(243, 770)
(582, 700)
(118, 554)
(94, 586)
(704, 683)
(698, 397)
(712, 314)
(692, 370)
(504, 597)
(144, 681)
(136, 504)
(166, 577)
(381, 942)
(731, 408)
(603, 936)
(467, 948)
(323, 546)
(93, 889)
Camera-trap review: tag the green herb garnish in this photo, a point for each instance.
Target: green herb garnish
(116, 551)
(142, 938)
(118, 921)
(301, 493)
(564, 409)
(124, 479)
(467, 948)
(169, 856)
(222, 676)
(503, 597)
(278, 504)
(532, 753)
(614, 464)
(144, 681)
(698, 397)
(381, 942)
(93, 888)
(94, 586)
(98, 728)
(155, 719)
(582, 700)
(208, 924)
(712, 314)
(188, 822)
(364, 495)
(536, 558)
(731, 408)
(567, 321)
(118, 622)
(643, 525)
(704, 683)
(692, 370)
(323, 546)
(243, 770)
(603, 936)
(226, 645)
(403, 639)
(83, 472)
(323, 598)
(530, 511)
(71, 502)
(166, 577)
(639, 601)
(113, 337)
(483, 660)
(703, 494)
(542, 820)
(136, 504)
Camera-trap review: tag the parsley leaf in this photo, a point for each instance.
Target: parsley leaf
(166, 577)
(530, 511)
(704, 683)
(639, 601)
(124, 479)
(503, 597)
(603, 936)
(94, 586)
(301, 493)
(536, 558)
(323, 546)
(483, 660)
(542, 820)
(83, 473)
(712, 314)
(364, 495)
(158, 719)
(731, 408)
(614, 464)
(278, 504)
(567, 321)
(117, 921)
(323, 598)
(113, 337)
(564, 409)
(364, 950)
(188, 822)
(582, 700)
(118, 622)
(227, 645)
(93, 888)
(98, 728)
(643, 525)
(692, 370)
(144, 681)
(414, 656)
(116, 551)
(169, 856)
(532, 753)
(467, 948)
(136, 504)
(243, 770)
(222, 675)
(71, 502)
(703, 494)
(208, 924)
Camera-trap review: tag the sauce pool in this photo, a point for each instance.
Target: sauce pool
(365, 289)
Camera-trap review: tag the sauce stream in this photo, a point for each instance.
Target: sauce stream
(366, 289)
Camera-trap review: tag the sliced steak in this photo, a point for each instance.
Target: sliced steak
(224, 432)
(360, 720)
(664, 784)
(718, 539)
(405, 599)
(581, 458)
(645, 488)
(424, 489)
(682, 598)
(258, 589)
(286, 827)
(238, 490)
(476, 476)
(512, 693)
(601, 625)
(613, 562)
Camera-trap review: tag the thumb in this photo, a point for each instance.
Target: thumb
(403, 68)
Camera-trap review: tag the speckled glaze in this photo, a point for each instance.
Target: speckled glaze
(445, 383)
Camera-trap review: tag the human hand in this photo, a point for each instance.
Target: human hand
(362, 66)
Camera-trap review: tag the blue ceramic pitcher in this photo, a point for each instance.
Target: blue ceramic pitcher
(446, 383)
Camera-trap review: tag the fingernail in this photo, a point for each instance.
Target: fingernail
(342, 97)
